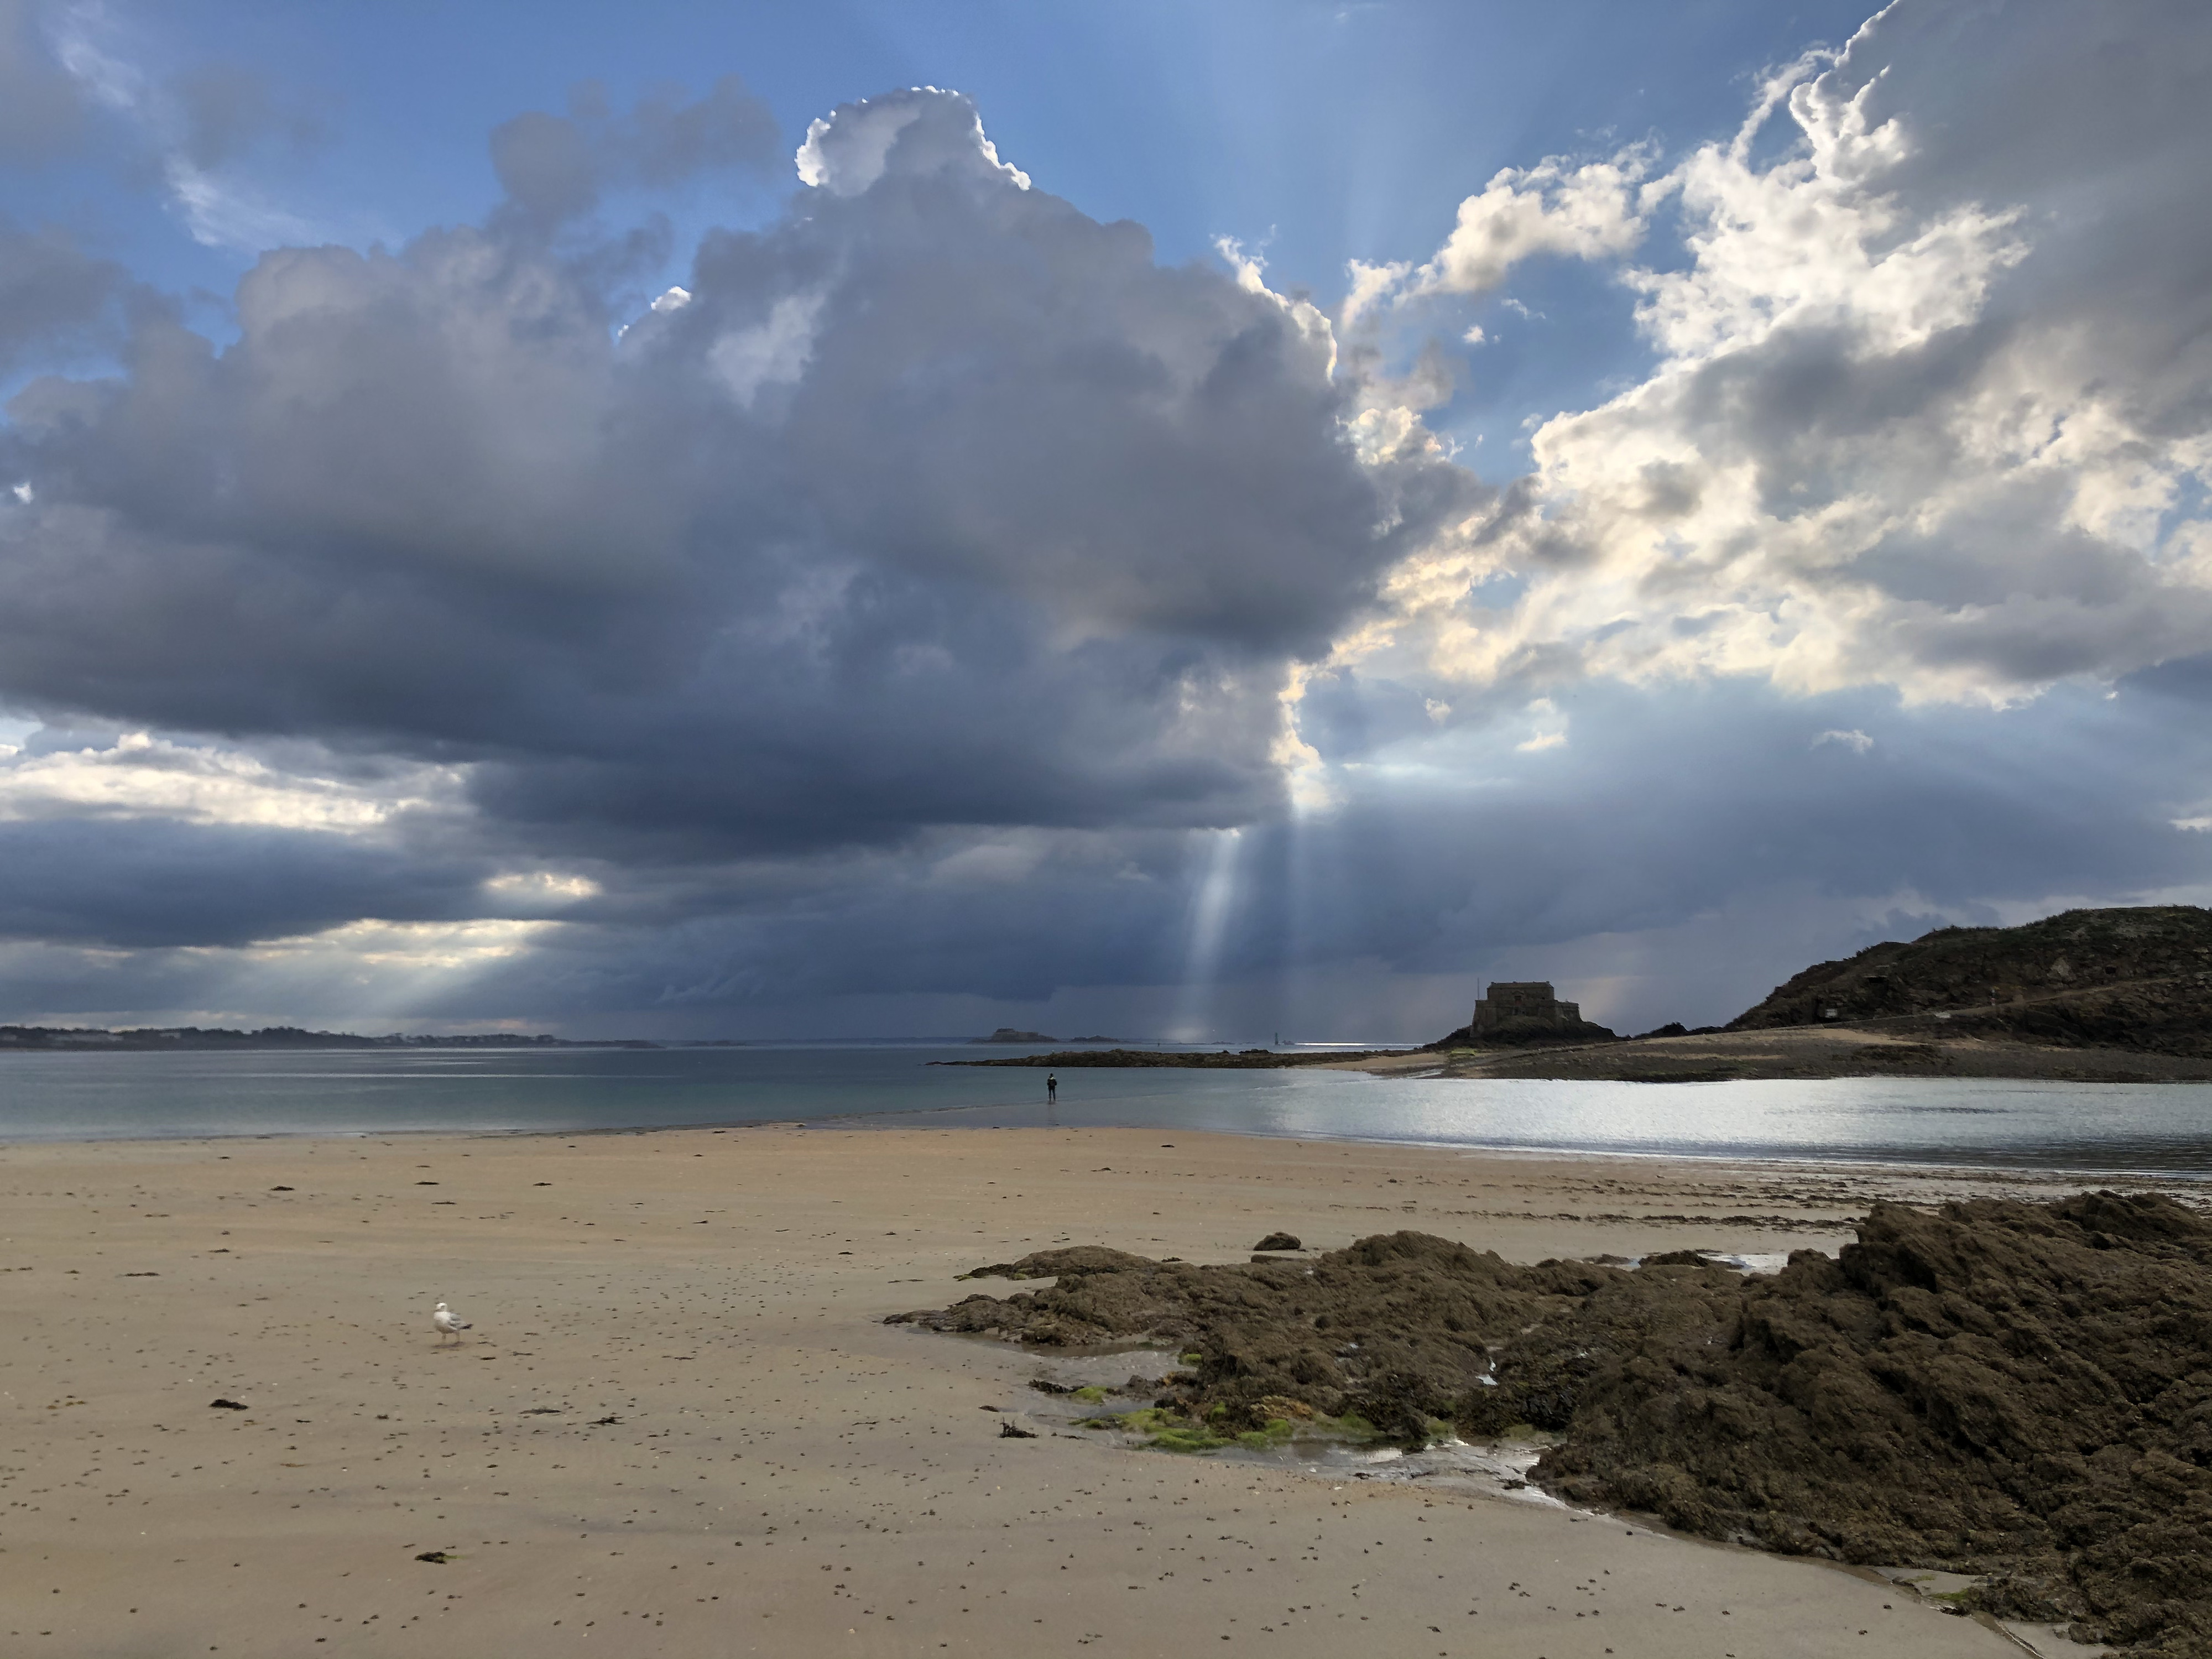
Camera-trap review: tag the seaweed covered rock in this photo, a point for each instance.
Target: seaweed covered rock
(2023, 1388)
(1397, 1327)
(2019, 1391)
(1073, 1259)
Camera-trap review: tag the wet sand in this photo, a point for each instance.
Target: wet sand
(782, 1474)
(1916, 1047)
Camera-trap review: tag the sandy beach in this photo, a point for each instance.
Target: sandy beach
(679, 1426)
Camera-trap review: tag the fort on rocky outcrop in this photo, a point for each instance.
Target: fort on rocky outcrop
(1520, 1002)
(1523, 1014)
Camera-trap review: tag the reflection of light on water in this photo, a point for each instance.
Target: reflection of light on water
(1755, 1262)
(2102, 1129)
(1494, 1468)
(1742, 1261)
(1209, 926)
(1128, 1372)
(2105, 1129)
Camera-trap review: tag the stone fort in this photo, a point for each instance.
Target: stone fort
(1524, 1001)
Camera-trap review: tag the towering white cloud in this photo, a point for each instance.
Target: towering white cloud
(848, 150)
(1925, 416)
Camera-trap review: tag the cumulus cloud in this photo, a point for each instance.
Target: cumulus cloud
(1592, 210)
(54, 299)
(1925, 414)
(554, 167)
(138, 882)
(934, 504)
(848, 150)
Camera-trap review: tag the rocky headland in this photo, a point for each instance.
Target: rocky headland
(2088, 996)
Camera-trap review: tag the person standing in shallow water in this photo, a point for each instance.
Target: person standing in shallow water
(1051, 1089)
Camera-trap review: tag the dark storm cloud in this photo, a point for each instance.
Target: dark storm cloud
(1676, 856)
(938, 503)
(151, 882)
(1715, 839)
(53, 297)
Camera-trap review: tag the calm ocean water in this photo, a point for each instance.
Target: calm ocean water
(91, 1096)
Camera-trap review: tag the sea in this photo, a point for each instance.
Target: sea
(2150, 1129)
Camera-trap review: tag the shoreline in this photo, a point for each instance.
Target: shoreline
(1039, 1116)
(1907, 1046)
(678, 1416)
(884, 1123)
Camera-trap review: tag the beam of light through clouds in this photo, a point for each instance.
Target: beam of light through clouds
(1211, 902)
(932, 608)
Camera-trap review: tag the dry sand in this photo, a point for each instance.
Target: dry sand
(782, 1474)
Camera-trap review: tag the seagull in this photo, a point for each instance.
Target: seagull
(446, 1322)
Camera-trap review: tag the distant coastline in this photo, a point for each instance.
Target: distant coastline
(52, 1038)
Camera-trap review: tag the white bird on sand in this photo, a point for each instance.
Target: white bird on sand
(448, 1324)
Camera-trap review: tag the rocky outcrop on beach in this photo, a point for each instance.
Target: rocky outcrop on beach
(2136, 978)
(2014, 1390)
(1396, 1327)
(2018, 1390)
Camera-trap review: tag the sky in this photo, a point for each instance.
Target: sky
(1201, 520)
